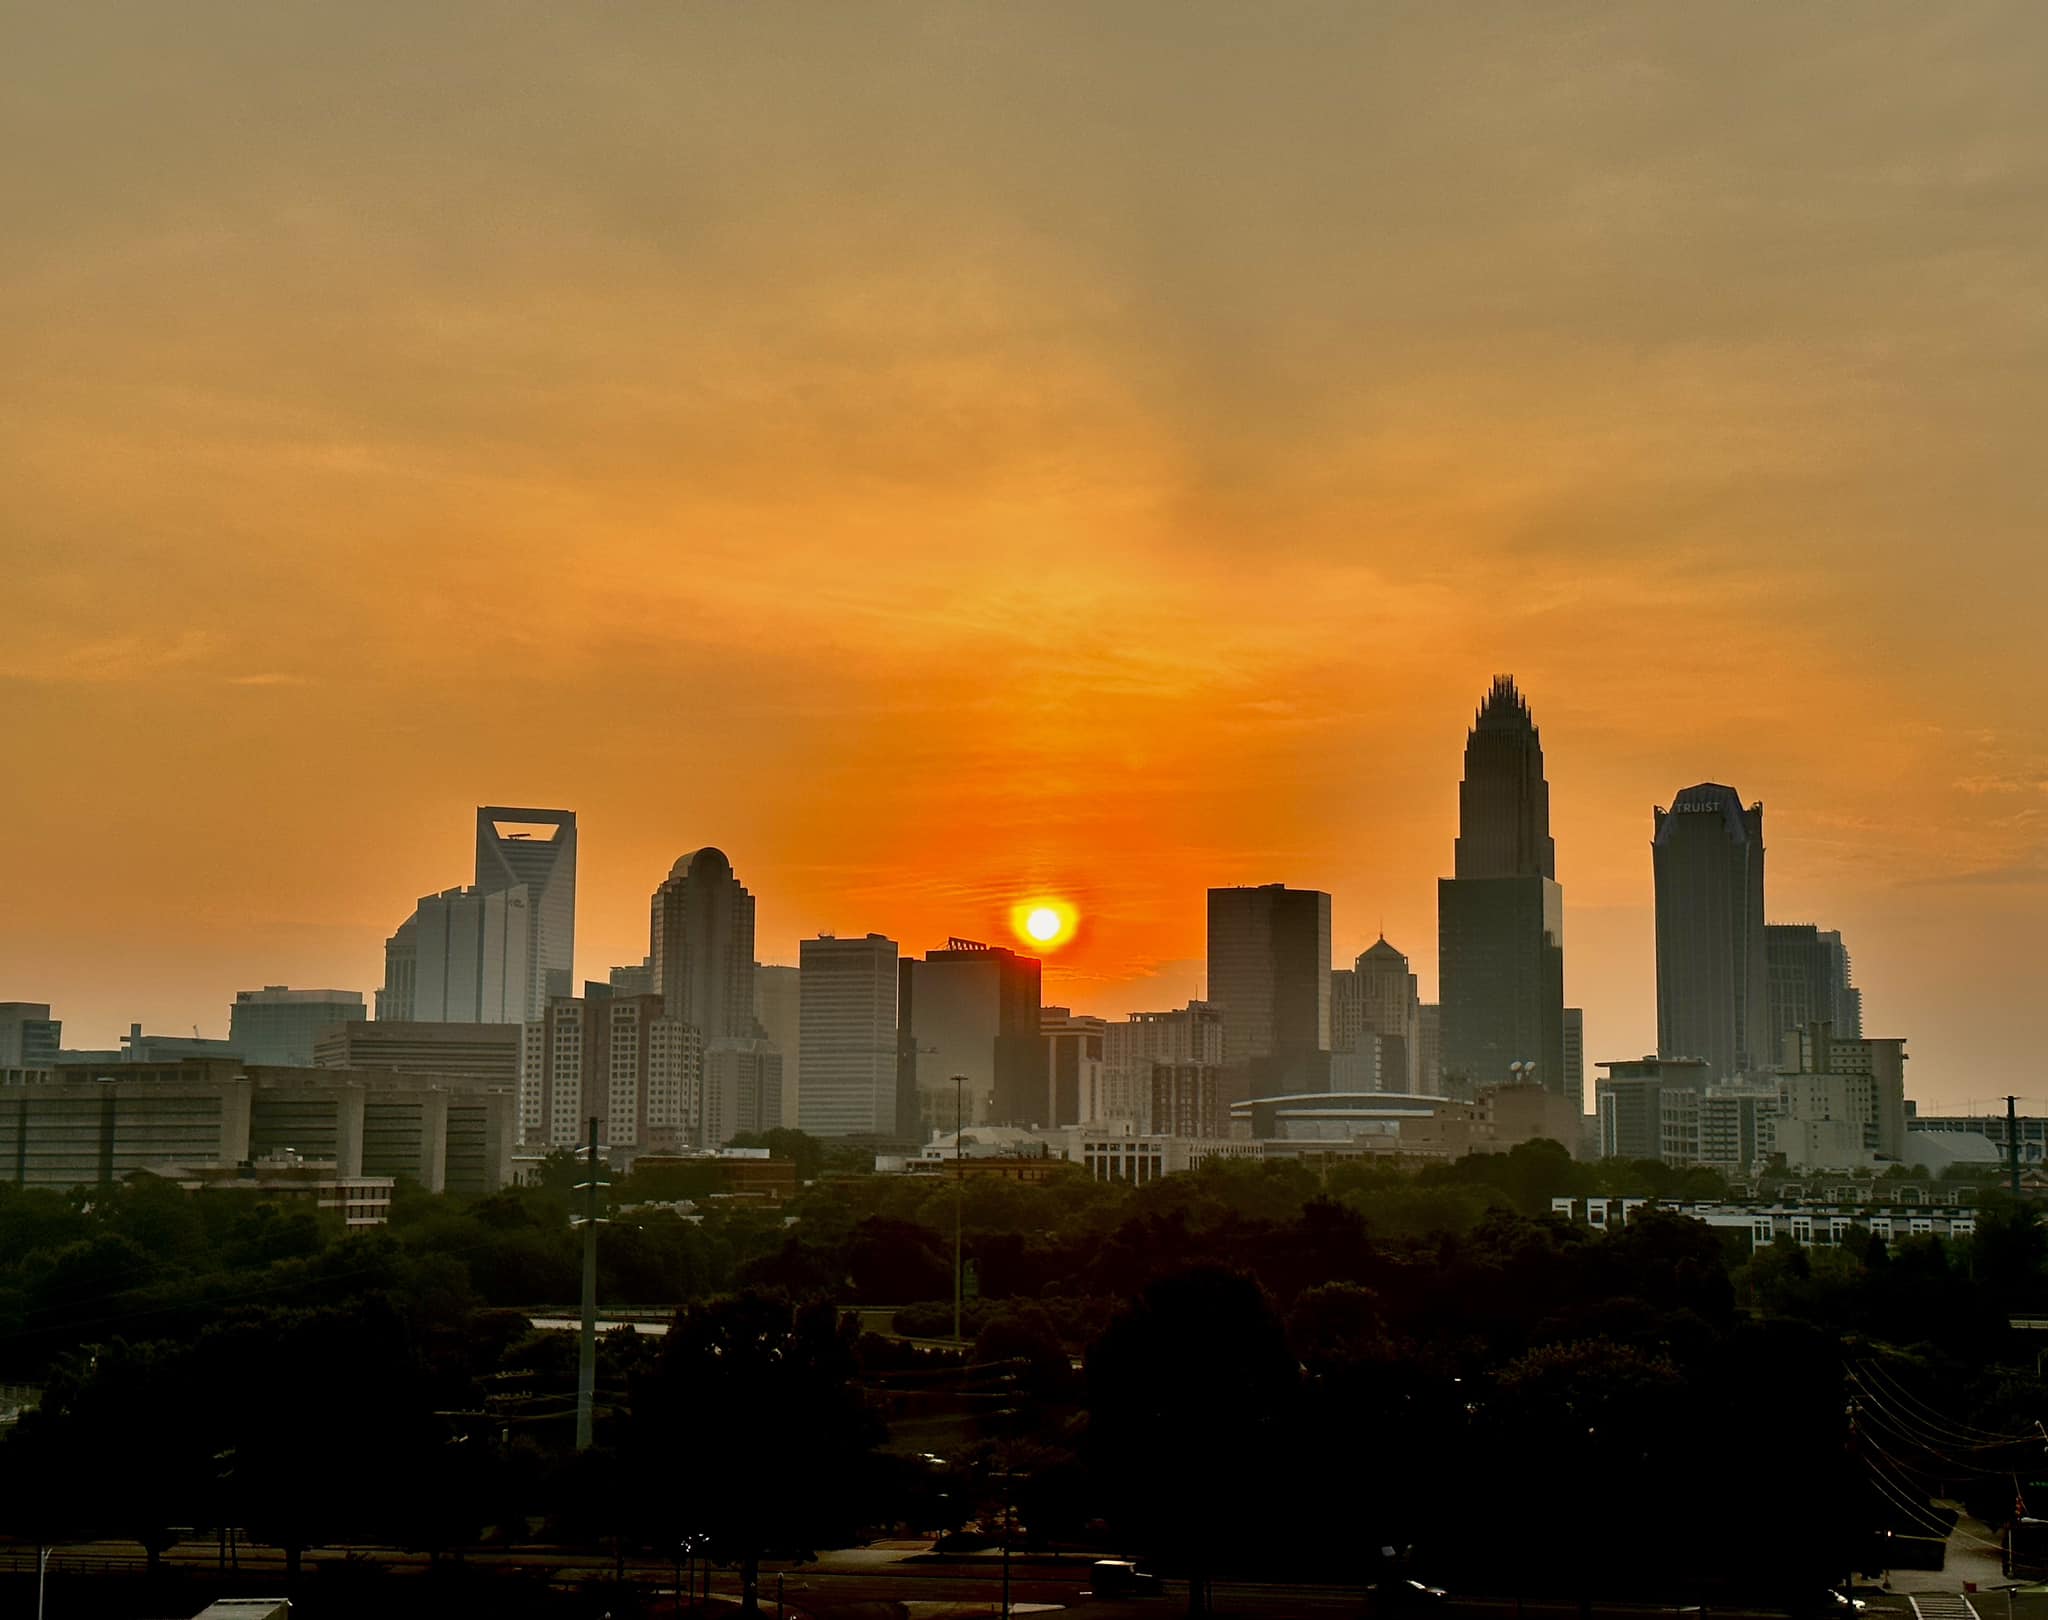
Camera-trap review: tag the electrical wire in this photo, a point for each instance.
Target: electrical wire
(1935, 1418)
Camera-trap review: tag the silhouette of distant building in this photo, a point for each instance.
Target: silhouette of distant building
(1430, 1021)
(535, 850)
(1500, 917)
(846, 1061)
(778, 1014)
(701, 941)
(618, 1060)
(742, 1089)
(1809, 983)
(1713, 979)
(972, 1010)
(1575, 1058)
(1190, 1035)
(29, 1037)
(1269, 975)
(462, 957)
(279, 1025)
(634, 979)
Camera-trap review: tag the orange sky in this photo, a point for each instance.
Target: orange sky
(938, 453)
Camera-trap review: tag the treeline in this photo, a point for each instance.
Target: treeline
(1280, 1366)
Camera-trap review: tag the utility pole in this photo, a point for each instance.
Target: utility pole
(586, 1344)
(959, 1193)
(2012, 1142)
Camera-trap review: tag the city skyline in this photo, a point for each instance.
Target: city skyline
(1078, 501)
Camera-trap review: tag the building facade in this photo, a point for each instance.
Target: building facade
(1500, 916)
(616, 1059)
(535, 850)
(279, 1025)
(1629, 1100)
(1190, 1034)
(778, 1014)
(1808, 970)
(846, 1053)
(488, 1054)
(1269, 976)
(742, 1089)
(29, 1037)
(1076, 1092)
(701, 945)
(970, 1010)
(1713, 975)
(461, 958)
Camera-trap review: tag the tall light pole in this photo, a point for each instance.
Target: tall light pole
(586, 1342)
(959, 1192)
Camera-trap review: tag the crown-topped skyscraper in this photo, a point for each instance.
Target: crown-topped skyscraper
(1500, 918)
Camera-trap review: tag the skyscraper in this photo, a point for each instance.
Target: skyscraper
(1391, 1010)
(1269, 975)
(279, 1025)
(1190, 1036)
(1713, 977)
(972, 1010)
(615, 1059)
(701, 939)
(778, 1012)
(1575, 1057)
(461, 958)
(1076, 1092)
(846, 1058)
(1500, 917)
(1809, 984)
(535, 849)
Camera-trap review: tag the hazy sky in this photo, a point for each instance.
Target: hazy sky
(943, 453)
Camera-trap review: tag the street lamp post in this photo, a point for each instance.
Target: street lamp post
(959, 1192)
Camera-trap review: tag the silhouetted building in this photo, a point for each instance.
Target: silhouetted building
(742, 1089)
(702, 945)
(1430, 1021)
(1629, 1100)
(1575, 1058)
(279, 1025)
(1269, 975)
(846, 1063)
(535, 850)
(1713, 977)
(778, 1014)
(136, 1047)
(1075, 1091)
(1854, 1079)
(1390, 1010)
(972, 1010)
(1500, 917)
(1184, 1102)
(634, 979)
(1809, 983)
(462, 957)
(618, 1060)
(486, 1053)
(1190, 1034)
(29, 1037)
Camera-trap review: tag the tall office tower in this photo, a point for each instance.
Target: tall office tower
(29, 1037)
(970, 1010)
(1390, 1008)
(532, 849)
(1431, 1023)
(1191, 1034)
(778, 1015)
(1575, 1057)
(634, 979)
(845, 1064)
(278, 1025)
(701, 939)
(460, 958)
(1845, 1000)
(1075, 1092)
(615, 1059)
(1713, 975)
(1269, 975)
(1500, 917)
(1354, 1049)
(742, 1089)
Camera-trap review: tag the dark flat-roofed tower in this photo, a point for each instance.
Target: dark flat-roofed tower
(1500, 917)
(1713, 973)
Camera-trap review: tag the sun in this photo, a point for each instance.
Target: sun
(1043, 923)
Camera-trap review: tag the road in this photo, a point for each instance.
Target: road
(929, 1587)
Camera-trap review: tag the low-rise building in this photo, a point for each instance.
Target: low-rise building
(1811, 1223)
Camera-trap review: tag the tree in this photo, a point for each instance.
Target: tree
(1194, 1345)
(764, 1400)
